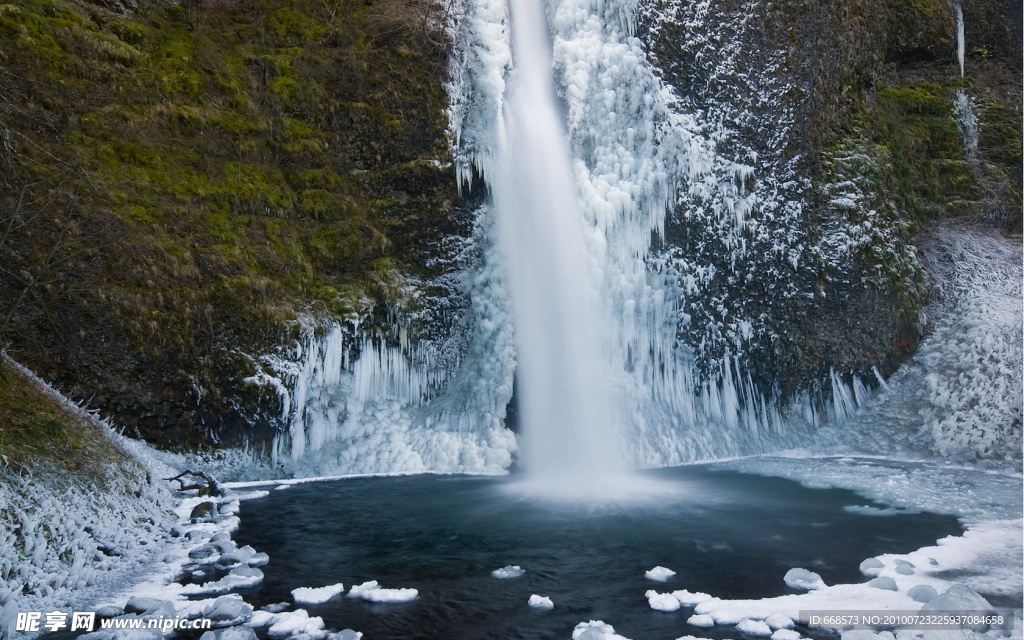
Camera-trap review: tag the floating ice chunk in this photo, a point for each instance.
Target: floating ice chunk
(859, 634)
(883, 582)
(688, 599)
(109, 611)
(277, 607)
(871, 567)
(867, 510)
(803, 579)
(316, 595)
(143, 605)
(959, 597)
(123, 634)
(778, 621)
(375, 593)
(346, 634)
(262, 618)
(904, 568)
(659, 573)
(204, 552)
(295, 622)
(701, 620)
(232, 559)
(231, 633)
(785, 634)
(757, 628)
(923, 593)
(228, 610)
(595, 630)
(541, 602)
(662, 601)
(239, 578)
(508, 571)
(258, 559)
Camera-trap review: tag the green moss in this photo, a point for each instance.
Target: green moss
(924, 150)
(37, 433)
(234, 161)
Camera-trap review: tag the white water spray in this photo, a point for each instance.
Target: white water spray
(568, 413)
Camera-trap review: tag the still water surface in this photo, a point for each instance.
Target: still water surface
(727, 534)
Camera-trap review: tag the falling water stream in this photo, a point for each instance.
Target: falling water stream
(566, 404)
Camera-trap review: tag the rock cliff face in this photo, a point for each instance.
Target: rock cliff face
(180, 183)
(847, 112)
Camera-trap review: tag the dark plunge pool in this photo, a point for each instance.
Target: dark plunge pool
(724, 533)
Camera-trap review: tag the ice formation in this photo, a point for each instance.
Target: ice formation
(595, 630)
(375, 593)
(316, 595)
(508, 571)
(362, 400)
(541, 602)
(661, 601)
(960, 47)
(803, 579)
(959, 396)
(659, 573)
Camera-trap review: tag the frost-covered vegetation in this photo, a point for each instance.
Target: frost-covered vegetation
(960, 394)
(79, 515)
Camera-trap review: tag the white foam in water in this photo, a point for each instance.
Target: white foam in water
(316, 595)
(375, 593)
(508, 571)
(541, 602)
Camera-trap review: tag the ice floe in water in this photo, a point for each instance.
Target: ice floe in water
(662, 601)
(702, 620)
(659, 573)
(541, 602)
(595, 630)
(803, 579)
(508, 571)
(375, 593)
(756, 628)
(316, 595)
(296, 622)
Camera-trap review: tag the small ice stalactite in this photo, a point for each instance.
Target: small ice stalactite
(960, 36)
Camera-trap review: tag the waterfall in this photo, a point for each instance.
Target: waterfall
(967, 122)
(567, 412)
(960, 36)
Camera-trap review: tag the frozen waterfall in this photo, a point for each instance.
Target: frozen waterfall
(585, 150)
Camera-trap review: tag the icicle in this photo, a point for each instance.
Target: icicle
(960, 36)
